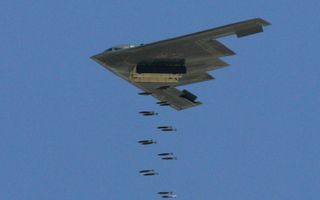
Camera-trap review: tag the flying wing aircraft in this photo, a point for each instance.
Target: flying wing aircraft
(158, 68)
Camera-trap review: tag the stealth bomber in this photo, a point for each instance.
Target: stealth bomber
(158, 68)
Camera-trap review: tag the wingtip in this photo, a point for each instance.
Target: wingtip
(263, 22)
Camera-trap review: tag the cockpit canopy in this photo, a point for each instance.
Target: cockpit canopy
(123, 46)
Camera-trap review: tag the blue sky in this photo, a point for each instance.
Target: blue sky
(69, 127)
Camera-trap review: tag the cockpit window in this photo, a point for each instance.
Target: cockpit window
(119, 47)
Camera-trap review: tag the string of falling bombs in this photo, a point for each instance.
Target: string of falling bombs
(163, 156)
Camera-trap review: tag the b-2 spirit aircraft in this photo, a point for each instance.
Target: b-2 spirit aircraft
(158, 68)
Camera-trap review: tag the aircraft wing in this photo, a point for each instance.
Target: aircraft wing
(178, 61)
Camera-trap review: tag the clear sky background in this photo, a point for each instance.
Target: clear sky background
(68, 127)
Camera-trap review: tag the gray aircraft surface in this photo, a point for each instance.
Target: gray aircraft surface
(145, 93)
(159, 67)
